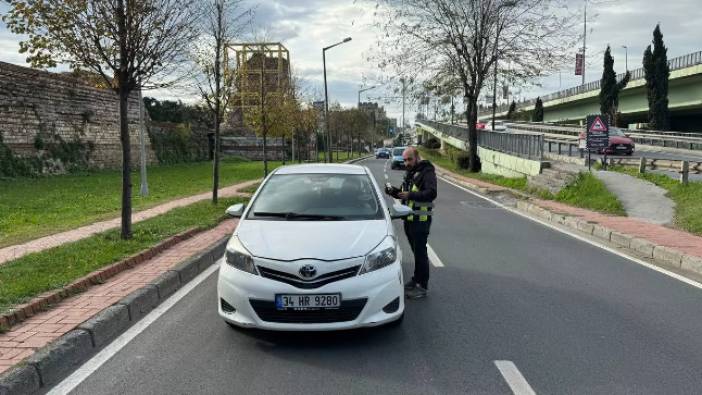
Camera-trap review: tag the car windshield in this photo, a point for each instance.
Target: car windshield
(397, 151)
(317, 197)
(616, 132)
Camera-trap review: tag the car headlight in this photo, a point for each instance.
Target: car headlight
(238, 257)
(382, 255)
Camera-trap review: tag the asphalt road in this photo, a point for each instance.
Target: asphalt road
(572, 318)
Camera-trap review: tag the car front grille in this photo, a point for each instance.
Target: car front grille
(348, 311)
(298, 282)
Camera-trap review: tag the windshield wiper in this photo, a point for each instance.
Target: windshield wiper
(299, 216)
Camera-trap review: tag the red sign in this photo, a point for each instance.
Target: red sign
(579, 64)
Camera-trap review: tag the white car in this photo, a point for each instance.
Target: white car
(314, 250)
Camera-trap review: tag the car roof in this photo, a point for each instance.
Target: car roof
(324, 168)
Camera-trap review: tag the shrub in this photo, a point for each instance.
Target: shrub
(463, 160)
(433, 143)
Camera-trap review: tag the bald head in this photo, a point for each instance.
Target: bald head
(411, 157)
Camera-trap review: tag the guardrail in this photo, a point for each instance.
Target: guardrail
(682, 167)
(530, 146)
(677, 63)
(687, 141)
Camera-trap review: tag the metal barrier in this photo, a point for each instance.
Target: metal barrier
(530, 146)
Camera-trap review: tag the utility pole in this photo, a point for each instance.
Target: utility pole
(584, 40)
(142, 147)
(263, 112)
(403, 104)
(626, 57)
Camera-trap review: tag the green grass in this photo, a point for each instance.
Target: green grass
(445, 162)
(31, 275)
(590, 193)
(251, 189)
(687, 198)
(35, 207)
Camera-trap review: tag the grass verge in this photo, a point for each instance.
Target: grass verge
(687, 198)
(31, 275)
(586, 192)
(35, 207)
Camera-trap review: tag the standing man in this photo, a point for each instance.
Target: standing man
(418, 191)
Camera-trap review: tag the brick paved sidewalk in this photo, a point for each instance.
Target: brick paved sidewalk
(23, 340)
(46, 242)
(656, 234)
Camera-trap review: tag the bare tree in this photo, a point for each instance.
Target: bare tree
(223, 21)
(424, 38)
(127, 42)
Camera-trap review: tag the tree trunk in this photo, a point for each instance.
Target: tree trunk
(215, 165)
(472, 119)
(126, 167)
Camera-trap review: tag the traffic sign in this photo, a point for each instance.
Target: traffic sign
(597, 132)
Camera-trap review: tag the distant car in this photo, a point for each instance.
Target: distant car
(396, 161)
(480, 126)
(382, 153)
(499, 126)
(619, 143)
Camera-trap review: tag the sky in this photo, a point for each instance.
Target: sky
(305, 26)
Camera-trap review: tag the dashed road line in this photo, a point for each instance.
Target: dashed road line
(514, 378)
(433, 258)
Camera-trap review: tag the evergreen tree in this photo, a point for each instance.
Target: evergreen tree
(610, 88)
(657, 72)
(512, 110)
(538, 111)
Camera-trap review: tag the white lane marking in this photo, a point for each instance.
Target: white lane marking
(581, 238)
(93, 364)
(433, 258)
(514, 378)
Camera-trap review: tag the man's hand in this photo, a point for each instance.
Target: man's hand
(403, 195)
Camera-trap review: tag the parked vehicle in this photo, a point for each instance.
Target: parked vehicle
(397, 161)
(619, 143)
(480, 126)
(315, 250)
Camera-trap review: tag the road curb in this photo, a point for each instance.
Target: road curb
(44, 301)
(60, 358)
(662, 255)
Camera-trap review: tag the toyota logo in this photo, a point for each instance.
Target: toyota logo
(308, 271)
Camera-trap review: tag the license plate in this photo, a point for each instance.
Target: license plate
(307, 302)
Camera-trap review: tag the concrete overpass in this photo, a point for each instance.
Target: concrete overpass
(573, 104)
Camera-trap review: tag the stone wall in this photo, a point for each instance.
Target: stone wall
(251, 147)
(33, 102)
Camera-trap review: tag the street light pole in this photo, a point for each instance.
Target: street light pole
(626, 57)
(327, 158)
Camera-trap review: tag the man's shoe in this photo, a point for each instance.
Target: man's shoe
(417, 292)
(410, 285)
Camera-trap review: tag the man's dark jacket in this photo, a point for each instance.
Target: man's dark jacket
(424, 177)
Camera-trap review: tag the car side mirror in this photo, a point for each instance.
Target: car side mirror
(236, 210)
(398, 211)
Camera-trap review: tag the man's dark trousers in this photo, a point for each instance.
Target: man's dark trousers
(418, 234)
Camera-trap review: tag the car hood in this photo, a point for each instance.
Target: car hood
(325, 240)
(619, 140)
